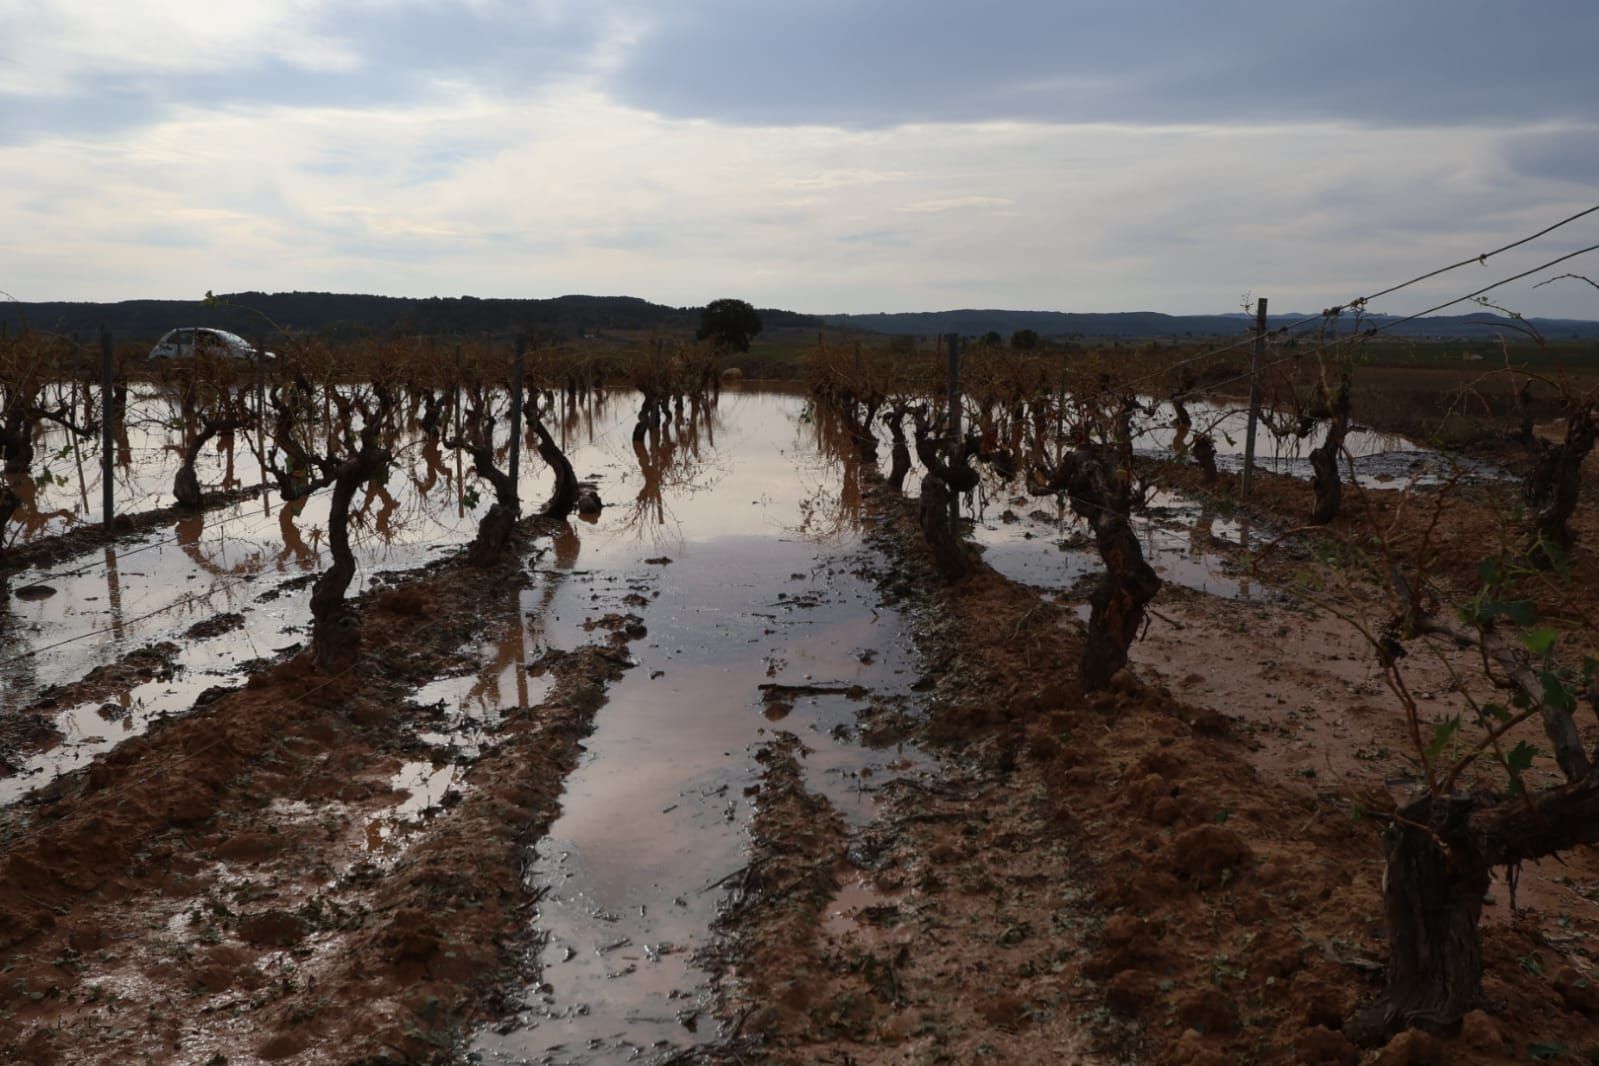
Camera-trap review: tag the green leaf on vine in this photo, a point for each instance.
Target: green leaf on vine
(1484, 611)
(1521, 612)
(1521, 756)
(1442, 734)
(1540, 641)
(1519, 760)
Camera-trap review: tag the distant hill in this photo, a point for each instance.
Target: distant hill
(1145, 325)
(565, 317)
(251, 314)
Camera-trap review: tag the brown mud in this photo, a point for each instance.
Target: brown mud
(252, 882)
(1171, 871)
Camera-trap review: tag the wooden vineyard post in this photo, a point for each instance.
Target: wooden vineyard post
(516, 414)
(1254, 395)
(954, 342)
(107, 401)
(79, 381)
(260, 422)
(455, 427)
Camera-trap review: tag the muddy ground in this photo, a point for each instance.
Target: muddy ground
(192, 897)
(1173, 871)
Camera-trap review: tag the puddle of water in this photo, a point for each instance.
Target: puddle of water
(427, 786)
(473, 704)
(88, 729)
(759, 590)
(729, 538)
(255, 559)
(1033, 541)
(1380, 458)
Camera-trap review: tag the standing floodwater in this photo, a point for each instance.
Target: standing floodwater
(734, 543)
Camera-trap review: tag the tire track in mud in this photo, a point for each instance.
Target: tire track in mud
(199, 877)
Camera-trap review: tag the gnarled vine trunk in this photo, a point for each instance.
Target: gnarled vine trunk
(939, 532)
(495, 528)
(1183, 424)
(1325, 482)
(860, 429)
(940, 485)
(1116, 607)
(9, 503)
(1432, 897)
(335, 627)
(1205, 456)
(16, 441)
(649, 417)
(186, 484)
(1553, 488)
(1445, 845)
(565, 495)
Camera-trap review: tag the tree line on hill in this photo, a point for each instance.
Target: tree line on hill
(257, 315)
(350, 316)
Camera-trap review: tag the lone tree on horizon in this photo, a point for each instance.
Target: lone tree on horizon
(730, 323)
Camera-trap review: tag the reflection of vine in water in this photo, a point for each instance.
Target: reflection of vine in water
(24, 520)
(675, 465)
(381, 523)
(189, 532)
(510, 659)
(382, 516)
(566, 544)
(294, 546)
(830, 471)
(433, 471)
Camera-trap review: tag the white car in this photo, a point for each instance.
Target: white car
(218, 343)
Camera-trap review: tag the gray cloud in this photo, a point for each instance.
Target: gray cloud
(1566, 155)
(891, 62)
(838, 62)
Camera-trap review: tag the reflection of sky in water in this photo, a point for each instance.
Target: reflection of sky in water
(256, 559)
(760, 589)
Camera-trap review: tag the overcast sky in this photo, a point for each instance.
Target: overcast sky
(820, 155)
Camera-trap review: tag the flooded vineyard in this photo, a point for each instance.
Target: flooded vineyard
(731, 545)
(567, 807)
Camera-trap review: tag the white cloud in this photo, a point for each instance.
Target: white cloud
(49, 47)
(554, 186)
